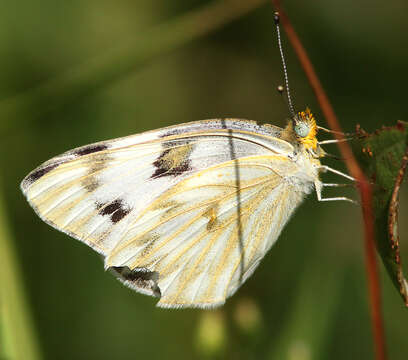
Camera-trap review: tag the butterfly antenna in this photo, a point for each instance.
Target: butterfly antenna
(285, 72)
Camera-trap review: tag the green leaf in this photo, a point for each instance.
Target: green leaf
(381, 156)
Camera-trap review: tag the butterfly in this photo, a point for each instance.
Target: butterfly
(184, 213)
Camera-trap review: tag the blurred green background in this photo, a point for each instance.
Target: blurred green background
(80, 71)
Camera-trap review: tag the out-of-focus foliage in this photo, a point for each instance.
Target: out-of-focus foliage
(307, 300)
(17, 338)
(381, 154)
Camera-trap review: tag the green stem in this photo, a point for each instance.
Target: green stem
(18, 338)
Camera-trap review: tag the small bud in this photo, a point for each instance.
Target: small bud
(211, 334)
(248, 316)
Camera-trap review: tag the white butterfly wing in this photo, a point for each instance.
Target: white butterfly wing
(137, 201)
(202, 239)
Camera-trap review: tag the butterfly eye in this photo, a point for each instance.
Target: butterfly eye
(302, 129)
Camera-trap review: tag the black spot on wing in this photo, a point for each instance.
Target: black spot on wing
(119, 214)
(174, 160)
(161, 169)
(89, 149)
(166, 167)
(38, 173)
(117, 210)
(111, 208)
(146, 280)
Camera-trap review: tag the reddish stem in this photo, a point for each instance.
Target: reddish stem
(355, 170)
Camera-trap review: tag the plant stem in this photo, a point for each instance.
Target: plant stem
(362, 183)
(19, 340)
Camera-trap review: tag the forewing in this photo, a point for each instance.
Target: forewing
(99, 194)
(93, 192)
(202, 239)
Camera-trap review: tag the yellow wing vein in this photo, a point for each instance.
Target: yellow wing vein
(240, 259)
(192, 269)
(184, 189)
(182, 228)
(122, 246)
(182, 252)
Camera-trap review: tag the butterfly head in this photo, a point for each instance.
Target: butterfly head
(305, 128)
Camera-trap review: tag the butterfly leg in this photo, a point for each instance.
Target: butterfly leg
(325, 168)
(333, 141)
(319, 186)
(336, 185)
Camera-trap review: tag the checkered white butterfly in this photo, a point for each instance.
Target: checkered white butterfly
(185, 213)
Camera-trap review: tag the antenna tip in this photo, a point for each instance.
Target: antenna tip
(276, 17)
(280, 89)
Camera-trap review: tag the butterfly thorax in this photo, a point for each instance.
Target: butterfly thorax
(301, 132)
